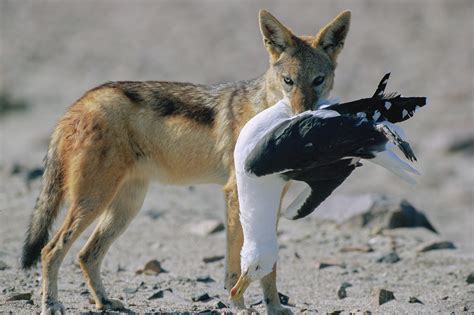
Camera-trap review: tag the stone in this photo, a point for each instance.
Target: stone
(470, 278)
(19, 297)
(201, 298)
(212, 259)
(329, 263)
(435, 245)
(284, 299)
(160, 294)
(220, 305)
(205, 279)
(372, 211)
(390, 258)
(414, 299)
(153, 267)
(3, 265)
(462, 144)
(341, 292)
(206, 227)
(360, 249)
(382, 296)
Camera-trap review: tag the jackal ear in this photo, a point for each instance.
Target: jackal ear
(331, 37)
(276, 37)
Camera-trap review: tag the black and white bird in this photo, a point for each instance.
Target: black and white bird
(320, 148)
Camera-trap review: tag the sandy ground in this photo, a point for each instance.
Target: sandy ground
(52, 51)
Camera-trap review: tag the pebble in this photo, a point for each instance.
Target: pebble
(212, 259)
(160, 294)
(390, 258)
(435, 246)
(201, 298)
(205, 279)
(153, 267)
(360, 249)
(414, 300)
(470, 278)
(3, 265)
(206, 227)
(220, 305)
(284, 299)
(19, 297)
(341, 292)
(329, 263)
(382, 296)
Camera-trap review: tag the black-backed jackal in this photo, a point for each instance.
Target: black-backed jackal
(121, 135)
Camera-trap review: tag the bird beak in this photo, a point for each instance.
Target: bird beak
(238, 290)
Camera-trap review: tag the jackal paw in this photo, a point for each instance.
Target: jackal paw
(278, 310)
(52, 308)
(110, 304)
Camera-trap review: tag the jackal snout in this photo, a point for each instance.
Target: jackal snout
(303, 67)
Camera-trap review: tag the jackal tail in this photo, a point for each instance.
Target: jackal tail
(46, 207)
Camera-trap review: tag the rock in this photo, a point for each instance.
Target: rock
(464, 144)
(329, 263)
(153, 214)
(372, 211)
(212, 259)
(435, 246)
(360, 249)
(205, 279)
(19, 297)
(220, 305)
(3, 265)
(153, 267)
(33, 174)
(341, 292)
(284, 299)
(414, 300)
(390, 258)
(382, 296)
(338, 312)
(206, 227)
(201, 298)
(160, 294)
(470, 278)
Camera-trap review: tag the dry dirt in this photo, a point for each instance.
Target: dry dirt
(53, 51)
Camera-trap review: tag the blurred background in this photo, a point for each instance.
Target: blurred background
(53, 51)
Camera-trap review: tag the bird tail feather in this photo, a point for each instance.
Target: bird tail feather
(390, 161)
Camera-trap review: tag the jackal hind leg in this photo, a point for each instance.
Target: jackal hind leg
(80, 215)
(112, 223)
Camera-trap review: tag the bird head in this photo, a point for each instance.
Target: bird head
(254, 267)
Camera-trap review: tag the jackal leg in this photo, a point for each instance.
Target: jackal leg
(270, 294)
(112, 223)
(235, 239)
(80, 215)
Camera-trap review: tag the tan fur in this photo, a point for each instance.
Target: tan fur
(120, 136)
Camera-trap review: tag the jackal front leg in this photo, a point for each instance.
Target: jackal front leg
(235, 240)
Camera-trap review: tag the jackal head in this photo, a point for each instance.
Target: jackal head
(302, 68)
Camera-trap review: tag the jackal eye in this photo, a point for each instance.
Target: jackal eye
(288, 81)
(318, 80)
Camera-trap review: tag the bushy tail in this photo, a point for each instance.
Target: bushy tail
(46, 208)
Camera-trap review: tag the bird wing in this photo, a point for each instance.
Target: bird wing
(319, 184)
(382, 106)
(308, 141)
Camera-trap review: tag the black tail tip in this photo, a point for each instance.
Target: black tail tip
(31, 253)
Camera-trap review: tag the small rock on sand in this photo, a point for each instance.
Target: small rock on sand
(360, 249)
(413, 299)
(470, 278)
(382, 296)
(435, 246)
(212, 259)
(341, 292)
(220, 305)
(390, 258)
(19, 297)
(153, 267)
(3, 265)
(329, 263)
(206, 227)
(201, 298)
